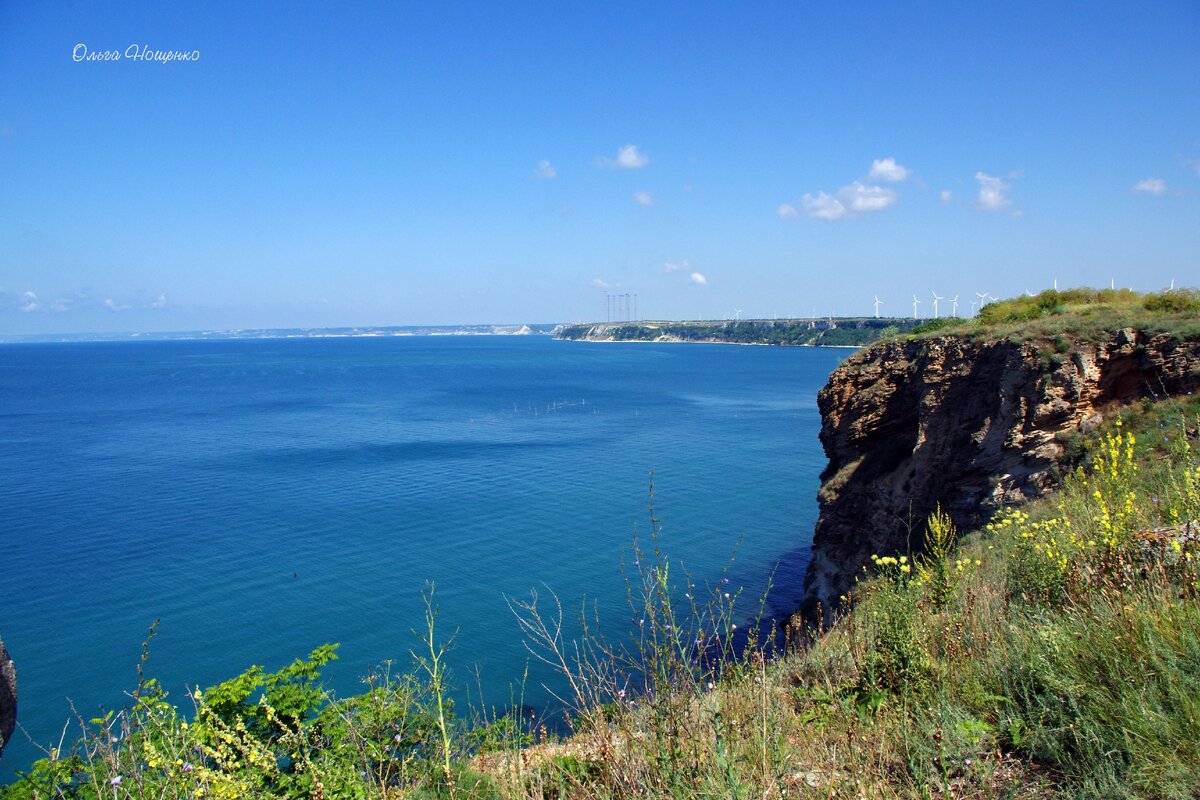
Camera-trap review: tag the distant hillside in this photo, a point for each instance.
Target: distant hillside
(829, 332)
(513, 329)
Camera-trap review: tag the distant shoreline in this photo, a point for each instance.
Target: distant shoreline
(845, 332)
(708, 341)
(363, 332)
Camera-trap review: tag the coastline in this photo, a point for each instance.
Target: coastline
(843, 332)
(713, 341)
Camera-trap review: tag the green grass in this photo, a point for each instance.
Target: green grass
(1077, 315)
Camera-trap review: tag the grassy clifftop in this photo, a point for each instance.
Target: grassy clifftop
(1082, 314)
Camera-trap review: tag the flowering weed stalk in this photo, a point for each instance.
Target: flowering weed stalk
(1112, 482)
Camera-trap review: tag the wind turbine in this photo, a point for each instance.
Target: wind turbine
(936, 297)
(1028, 293)
(916, 303)
(982, 298)
(879, 302)
(955, 302)
(737, 314)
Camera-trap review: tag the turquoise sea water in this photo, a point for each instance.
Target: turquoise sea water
(262, 497)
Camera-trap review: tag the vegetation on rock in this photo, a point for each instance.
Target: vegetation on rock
(1082, 314)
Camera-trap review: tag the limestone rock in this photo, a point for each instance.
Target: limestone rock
(971, 425)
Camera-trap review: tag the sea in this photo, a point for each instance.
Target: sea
(260, 497)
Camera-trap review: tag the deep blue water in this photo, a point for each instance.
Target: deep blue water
(263, 497)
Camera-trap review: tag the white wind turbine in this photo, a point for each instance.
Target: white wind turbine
(955, 302)
(878, 303)
(982, 298)
(916, 303)
(936, 297)
(737, 314)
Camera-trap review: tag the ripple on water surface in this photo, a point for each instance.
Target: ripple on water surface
(263, 497)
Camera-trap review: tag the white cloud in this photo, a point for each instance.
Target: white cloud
(886, 169)
(671, 266)
(599, 283)
(698, 279)
(850, 201)
(991, 192)
(81, 301)
(944, 195)
(824, 206)
(862, 198)
(546, 171)
(1150, 186)
(628, 157)
(643, 199)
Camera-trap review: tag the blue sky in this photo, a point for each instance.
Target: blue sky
(391, 164)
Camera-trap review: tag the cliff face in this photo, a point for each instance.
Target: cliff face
(970, 425)
(8, 697)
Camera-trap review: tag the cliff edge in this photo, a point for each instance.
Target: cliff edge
(970, 423)
(8, 697)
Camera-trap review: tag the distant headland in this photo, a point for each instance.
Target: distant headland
(818, 332)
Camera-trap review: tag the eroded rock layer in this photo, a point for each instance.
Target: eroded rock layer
(972, 425)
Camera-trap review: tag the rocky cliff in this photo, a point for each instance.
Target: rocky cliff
(970, 424)
(8, 697)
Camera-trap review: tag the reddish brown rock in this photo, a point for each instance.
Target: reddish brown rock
(972, 425)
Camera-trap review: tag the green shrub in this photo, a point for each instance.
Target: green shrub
(1177, 301)
(931, 325)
